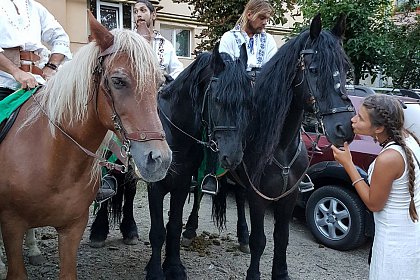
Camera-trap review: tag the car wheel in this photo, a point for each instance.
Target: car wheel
(335, 217)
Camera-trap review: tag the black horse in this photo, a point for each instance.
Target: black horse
(312, 68)
(215, 91)
(120, 207)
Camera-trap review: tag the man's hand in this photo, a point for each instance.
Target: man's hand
(48, 73)
(26, 79)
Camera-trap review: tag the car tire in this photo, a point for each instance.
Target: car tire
(336, 217)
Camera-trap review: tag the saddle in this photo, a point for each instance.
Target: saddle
(10, 107)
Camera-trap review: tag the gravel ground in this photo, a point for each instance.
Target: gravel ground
(219, 259)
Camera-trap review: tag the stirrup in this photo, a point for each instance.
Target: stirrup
(306, 186)
(107, 189)
(212, 192)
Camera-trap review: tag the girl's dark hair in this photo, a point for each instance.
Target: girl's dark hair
(385, 110)
(148, 4)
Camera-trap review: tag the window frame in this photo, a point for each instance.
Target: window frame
(173, 29)
(119, 6)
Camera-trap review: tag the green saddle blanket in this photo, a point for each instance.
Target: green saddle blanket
(14, 101)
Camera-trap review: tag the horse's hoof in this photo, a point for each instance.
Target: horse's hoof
(131, 241)
(244, 248)
(37, 260)
(96, 244)
(186, 242)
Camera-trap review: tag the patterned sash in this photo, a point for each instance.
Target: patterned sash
(263, 41)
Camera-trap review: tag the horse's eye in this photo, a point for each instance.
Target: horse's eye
(118, 82)
(313, 70)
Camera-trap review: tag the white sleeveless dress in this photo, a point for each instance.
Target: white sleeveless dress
(396, 245)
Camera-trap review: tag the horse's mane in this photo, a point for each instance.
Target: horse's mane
(235, 90)
(273, 92)
(65, 96)
(188, 80)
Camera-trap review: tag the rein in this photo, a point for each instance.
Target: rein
(285, 175)
(102, 161)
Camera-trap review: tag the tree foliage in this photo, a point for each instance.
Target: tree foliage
(364, 40)
(219, 16)
(374, 42)
(401, 60)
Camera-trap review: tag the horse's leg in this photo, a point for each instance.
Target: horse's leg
(35, 256)
(257, 238)
(242, 230)
(2, 265)
(172, 266)
(100, 227)
(68, 244)
(157, 231)
(128, 225)
(190, 231)
(13, 233)
(283, 212)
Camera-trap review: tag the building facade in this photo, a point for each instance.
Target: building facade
(173, 20)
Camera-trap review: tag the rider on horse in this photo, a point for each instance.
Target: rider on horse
(260, 46)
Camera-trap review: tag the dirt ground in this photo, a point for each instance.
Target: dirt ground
(220, 259)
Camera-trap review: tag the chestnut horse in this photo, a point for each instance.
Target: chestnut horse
(49, 174)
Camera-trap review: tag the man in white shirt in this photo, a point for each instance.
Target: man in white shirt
(24, 25)
(145, 16)
(250, 29)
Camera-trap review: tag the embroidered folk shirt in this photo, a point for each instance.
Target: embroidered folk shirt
(166, 55)
(27, 29)
(260, 48)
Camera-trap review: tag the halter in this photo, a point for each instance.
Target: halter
(139, 136)
(209, 124)
(312, 88)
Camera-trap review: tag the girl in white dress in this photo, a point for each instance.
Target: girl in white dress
(393, 193)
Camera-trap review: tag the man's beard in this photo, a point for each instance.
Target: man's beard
(254, 30)
(148, 23)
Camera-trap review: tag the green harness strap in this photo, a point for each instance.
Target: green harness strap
(14, 101)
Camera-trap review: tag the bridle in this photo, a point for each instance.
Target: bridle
(123, 154)
(209, 124)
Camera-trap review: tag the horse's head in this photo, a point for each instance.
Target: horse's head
(227, 103)
(127, 78)
(321, 74)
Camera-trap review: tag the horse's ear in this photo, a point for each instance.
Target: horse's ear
(340, 26)
(217, 63)
(316, 26)
(243, 57)
(104, 39)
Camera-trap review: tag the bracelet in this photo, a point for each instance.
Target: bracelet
(356, 181)
(51, 65)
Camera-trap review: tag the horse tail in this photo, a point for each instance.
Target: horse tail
(219, 206)
(124, 181)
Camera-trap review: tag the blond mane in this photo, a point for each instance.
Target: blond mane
(65, 96)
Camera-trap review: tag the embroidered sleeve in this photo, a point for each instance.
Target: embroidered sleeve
(53, 33)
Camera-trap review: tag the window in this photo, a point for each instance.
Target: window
(112, 15)
(180, 39)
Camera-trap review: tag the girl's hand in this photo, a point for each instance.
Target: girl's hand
(342, 155)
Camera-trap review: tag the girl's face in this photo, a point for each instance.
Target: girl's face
(361, 123)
